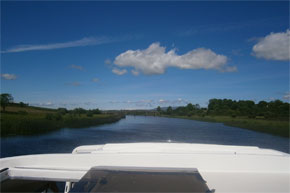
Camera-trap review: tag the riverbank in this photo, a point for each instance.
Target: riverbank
(35, 121)
(274, 127)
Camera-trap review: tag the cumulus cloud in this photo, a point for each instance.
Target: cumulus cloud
(87, 41)
(155, 60)
(274, 46)
(8, 76)
(119, 71)
(76, 67)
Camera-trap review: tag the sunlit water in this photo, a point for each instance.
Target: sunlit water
(140, 129)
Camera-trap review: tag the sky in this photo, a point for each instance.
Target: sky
(140, 55)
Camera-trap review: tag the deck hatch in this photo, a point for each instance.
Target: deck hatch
(130, 179)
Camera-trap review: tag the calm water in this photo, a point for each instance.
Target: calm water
(140, 129)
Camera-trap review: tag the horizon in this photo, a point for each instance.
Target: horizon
(136, 109)
(140, 55)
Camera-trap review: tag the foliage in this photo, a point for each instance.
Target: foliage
(6, 99)
(274, 110)
(22, 104)
(270, 110)
(62, 111)
(159, 109)
(169, 110)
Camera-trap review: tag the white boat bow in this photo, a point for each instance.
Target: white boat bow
(224, 168)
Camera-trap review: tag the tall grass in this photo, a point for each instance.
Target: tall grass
(34, 124)
(274, 127)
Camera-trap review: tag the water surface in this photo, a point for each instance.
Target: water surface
(141, 129)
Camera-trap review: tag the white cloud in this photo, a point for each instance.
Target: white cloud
(150, 103)
(76, 67)
(48, 103)
(162, 101)
(287, 96)
(9, 76)
(274, 46)
(176, 102)
(119, 71)
(155, 60)
(87, 41)
(43, 104)
(180, 101)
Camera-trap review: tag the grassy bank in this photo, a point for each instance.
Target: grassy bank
(274, 127)
(34, 121)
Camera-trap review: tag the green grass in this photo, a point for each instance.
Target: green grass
(29, 109)
(274, 127)
(30, 121)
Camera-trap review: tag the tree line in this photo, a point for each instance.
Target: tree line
(226, 107)
(276, 109)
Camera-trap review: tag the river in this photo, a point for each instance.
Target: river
(141, 129)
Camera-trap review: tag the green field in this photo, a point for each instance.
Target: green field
(274, 127)
(34, 120)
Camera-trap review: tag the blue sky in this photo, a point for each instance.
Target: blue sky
(138, 55)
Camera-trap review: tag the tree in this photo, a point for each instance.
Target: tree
(78, 111)
(62, 111)
(5, 100)
(159, 109)
(22, 104)
(169, 110)
(96, 111)
(190, 107)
